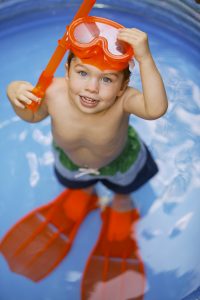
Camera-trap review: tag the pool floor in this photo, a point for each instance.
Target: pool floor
(169, 227)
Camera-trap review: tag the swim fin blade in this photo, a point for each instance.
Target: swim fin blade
(115, 269)
(36, 244)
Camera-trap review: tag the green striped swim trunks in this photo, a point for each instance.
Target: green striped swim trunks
(121, 164)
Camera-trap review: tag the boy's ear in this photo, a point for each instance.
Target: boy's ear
(123, 87)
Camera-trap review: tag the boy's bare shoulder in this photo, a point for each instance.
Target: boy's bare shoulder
(56, 87)
(131, 92)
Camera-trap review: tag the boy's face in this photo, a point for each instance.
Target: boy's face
(91, 89)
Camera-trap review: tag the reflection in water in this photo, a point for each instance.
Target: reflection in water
(114, 269)
(37, 243)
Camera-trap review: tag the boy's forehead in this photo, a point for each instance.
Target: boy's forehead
(78, 62)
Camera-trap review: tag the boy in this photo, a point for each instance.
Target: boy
(89, 111)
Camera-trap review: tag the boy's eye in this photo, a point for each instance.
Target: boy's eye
(106, 80)
(82, 73)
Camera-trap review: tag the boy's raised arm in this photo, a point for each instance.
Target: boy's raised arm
(19, 94)
(152, 103)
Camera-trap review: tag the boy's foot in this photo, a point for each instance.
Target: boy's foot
(115, 269)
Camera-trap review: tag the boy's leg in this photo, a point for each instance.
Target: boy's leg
(122, 202)
(115, 268)
(82, 203)
(90, 190)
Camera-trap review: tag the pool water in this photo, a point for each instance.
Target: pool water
(170, 225)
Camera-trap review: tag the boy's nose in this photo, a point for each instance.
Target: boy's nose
(93, 86)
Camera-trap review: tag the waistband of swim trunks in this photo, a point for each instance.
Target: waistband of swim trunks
(121, 164)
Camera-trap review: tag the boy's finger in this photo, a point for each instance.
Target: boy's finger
(32, 97)
(17, 103)
(127, 36)
(130, 32)
(24, 99)
(128, 39)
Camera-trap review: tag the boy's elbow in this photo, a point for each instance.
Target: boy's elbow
(163, 110)
(159, 112)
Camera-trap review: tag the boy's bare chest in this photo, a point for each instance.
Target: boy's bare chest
(71, 131)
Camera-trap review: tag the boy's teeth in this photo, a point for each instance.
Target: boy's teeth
(89, 99)
(88, 102)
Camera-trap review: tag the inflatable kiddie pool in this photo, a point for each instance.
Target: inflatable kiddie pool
(168, 232)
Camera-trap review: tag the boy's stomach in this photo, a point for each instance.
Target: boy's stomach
(92, 148)
(95, 158)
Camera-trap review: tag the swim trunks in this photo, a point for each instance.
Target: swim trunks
(131, 169)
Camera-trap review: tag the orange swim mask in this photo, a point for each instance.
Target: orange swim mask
(94, 41)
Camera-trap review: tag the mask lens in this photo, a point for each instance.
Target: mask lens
(110, 34)
(87, 32)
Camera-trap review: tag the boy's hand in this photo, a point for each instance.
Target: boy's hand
(20, 94)
(138, 40)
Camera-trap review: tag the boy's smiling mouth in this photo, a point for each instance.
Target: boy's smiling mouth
(88, 102)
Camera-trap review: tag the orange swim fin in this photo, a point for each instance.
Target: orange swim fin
(115, 269)
(38, 242)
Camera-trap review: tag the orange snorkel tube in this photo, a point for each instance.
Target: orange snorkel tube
(46, 76)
